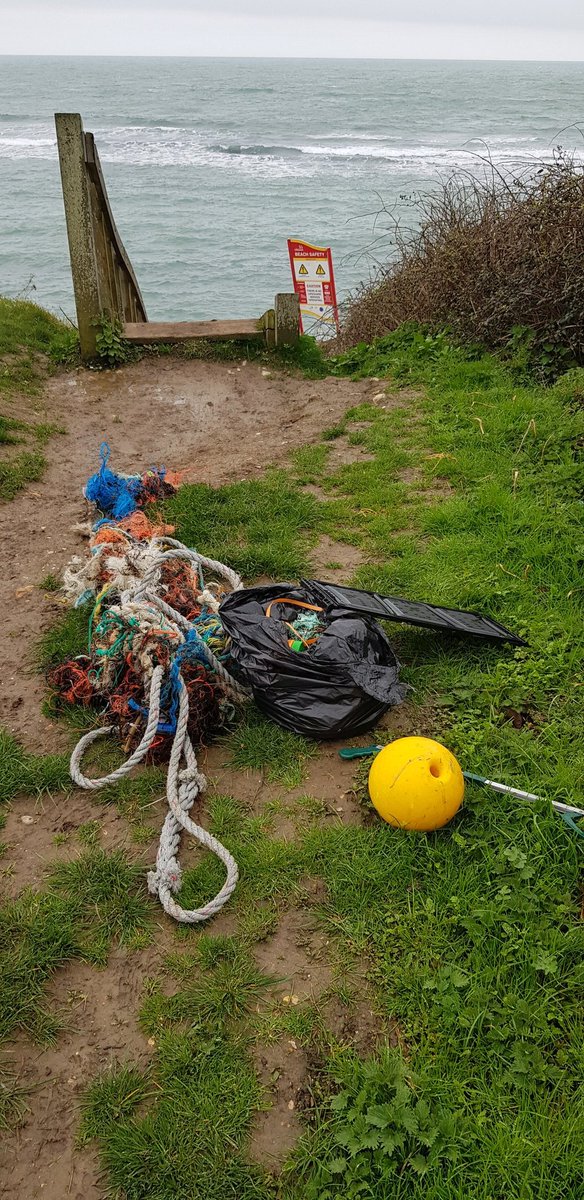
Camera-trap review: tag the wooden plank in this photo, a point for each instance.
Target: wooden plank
(145, 332)
(77, 201)
(269, 325)
(101, 243)
(96, 174)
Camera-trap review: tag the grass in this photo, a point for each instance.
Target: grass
(258, 744)
(28, 336)
(471, 936)
(32, 341)
(12, 1100)
(260, 527)
(36, 774)
(10, 431)
(15, 474)
(178, 1131)
(189, 1144)
(67, 637)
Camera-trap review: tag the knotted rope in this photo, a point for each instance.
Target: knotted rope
(184, 781)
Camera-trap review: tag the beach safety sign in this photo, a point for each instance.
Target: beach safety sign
(314, 284)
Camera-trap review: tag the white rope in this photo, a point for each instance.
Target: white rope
(184, 781)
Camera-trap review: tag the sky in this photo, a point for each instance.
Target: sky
(486, 29)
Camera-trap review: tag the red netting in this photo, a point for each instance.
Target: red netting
(71, 682)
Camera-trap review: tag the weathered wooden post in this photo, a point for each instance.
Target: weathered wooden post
(287, 321)
(84, 269)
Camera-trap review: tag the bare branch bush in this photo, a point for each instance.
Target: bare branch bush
(489, 253)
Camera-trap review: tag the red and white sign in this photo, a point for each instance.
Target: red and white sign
(314, 284)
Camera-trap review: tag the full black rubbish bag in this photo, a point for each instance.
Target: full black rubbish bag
(338, 688)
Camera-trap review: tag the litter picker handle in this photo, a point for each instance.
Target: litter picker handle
(359, 751)
(520, 795)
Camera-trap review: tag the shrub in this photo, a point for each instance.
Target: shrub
(496, 259)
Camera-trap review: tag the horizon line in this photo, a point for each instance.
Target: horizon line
(295, 58)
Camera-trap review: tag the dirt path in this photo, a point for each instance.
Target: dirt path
(216, 422)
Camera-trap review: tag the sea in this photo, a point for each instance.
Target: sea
(212, 164)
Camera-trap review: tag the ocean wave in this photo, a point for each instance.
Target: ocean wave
(168, 145)
(259, 151)
(26, 141)
(509, 149)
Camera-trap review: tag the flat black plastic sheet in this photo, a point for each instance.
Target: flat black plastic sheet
(338, 688)
(411, 612)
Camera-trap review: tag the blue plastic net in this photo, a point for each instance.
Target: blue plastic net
(117, 496)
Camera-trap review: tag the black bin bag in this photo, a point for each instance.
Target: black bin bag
(337, 688)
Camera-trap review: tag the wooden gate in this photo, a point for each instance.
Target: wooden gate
(104, 282)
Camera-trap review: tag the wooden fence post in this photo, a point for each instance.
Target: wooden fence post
(287, 324)
(71, 144)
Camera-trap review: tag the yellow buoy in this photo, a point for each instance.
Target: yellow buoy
(415, 783)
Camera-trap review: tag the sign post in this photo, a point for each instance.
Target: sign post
(314, 284)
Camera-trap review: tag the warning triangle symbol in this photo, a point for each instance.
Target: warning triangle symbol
(320, 270)
(302, 269)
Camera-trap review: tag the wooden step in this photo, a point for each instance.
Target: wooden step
(145, 332)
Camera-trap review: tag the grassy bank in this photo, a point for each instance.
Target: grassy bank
(32, 343)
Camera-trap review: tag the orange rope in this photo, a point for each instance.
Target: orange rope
(296, 603)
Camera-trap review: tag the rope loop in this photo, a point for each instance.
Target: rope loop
(184, 781)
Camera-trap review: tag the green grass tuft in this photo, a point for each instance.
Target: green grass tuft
(28, 332)
(10, 430)
(30, 341)
(260, 745)
(67, 637)
(17, 472)
(12, 1100)
(21, 772)
(188, 1145)
(257, 526)
(112, 1098)
(50, 583)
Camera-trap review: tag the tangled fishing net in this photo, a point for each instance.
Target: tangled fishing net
(158, 664)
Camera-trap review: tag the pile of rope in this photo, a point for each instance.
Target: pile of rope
(158, 661)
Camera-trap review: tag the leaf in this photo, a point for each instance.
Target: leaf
(340, 1101)
(428, 1136)
(343, 1136)
(546, 962)
(380, 1115)
(337, 1166)
(419, 1163)
(389, 1141)
(409, 1120)
(371, 1140)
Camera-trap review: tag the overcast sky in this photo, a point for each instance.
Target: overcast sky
(507, 29)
